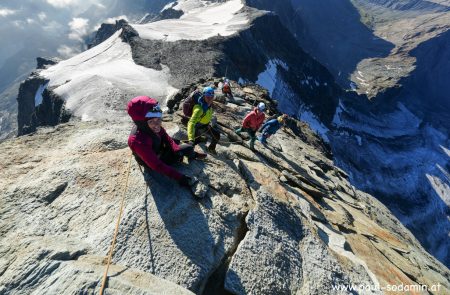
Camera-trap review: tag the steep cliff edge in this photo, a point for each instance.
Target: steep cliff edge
(391, 129)
(280, 220)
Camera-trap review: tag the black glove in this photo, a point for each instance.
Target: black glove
(185, 181)
(191, 142)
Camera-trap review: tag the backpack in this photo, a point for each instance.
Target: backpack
(226, 88)
(190, 102)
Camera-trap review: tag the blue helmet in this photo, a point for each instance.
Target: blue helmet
(208, 91)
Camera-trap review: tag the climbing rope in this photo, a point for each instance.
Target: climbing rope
(105, 275)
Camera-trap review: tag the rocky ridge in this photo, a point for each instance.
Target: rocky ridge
(280, 220)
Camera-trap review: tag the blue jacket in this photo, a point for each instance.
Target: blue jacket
(271, 126)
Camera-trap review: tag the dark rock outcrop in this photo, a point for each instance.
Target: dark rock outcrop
(245, 55)
(26, 103)
(43, 62)
(107, 30)
(168, 13)
(31, 113)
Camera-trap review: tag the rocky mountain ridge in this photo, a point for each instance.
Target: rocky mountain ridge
(279, 220)
(95, 91)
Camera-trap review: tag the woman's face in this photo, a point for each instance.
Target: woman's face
(155, 124)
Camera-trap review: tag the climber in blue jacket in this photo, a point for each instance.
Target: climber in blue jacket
(271, 127)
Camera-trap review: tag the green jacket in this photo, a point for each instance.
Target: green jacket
(197, 113)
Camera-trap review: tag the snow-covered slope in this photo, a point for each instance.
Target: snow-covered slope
(89, 80)
(198, 22)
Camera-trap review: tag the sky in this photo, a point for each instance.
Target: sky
(32, 28)
(24, 22)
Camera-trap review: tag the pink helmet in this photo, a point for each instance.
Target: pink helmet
(142, 108)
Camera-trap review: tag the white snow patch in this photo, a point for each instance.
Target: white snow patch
(97, 83)
(398, 123)
(444, 172)
(168, 6)
(268, 78)
(198, 23)
(446, 150)
(38, 95)
(337, 120)
(359, 140)
(188, 5)
(314, 123)
(441, 188)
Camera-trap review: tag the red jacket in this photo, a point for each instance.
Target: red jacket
(254, 119)
(142, 144)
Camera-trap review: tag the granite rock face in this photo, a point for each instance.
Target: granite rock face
(279, 220)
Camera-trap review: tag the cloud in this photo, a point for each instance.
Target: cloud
(52, 27)
(19, 24)
(100, 6)
(111, 20)
(6, 12)
(74, 3)
(66, 51)
(42, 16)
(62, 3)
(79, 28)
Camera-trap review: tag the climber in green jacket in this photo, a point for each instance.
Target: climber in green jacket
(200, 121)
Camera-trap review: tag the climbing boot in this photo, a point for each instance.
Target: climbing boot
(251, 143)
(262, 139)
(212, 149)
